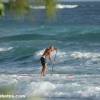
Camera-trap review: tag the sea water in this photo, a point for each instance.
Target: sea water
(75, 31)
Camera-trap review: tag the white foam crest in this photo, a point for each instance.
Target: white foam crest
(75, 90)
(58, 6)
(50, 89)
(7, 79)
(90, 91)
(37, 7)
(86, 55)
(56, 77)
(4, 49)
(39, 53)
(62, 6)
(42, 88)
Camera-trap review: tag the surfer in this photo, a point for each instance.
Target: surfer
(47, 54)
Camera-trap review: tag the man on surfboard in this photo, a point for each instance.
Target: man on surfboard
(47, 54)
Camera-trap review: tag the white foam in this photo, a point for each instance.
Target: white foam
(48, 89)
(56, 77)
(90, 91)
(62, 6)
(7, 79)
(39, 53)
(77, 90)
(37, 7)
(4, 49)
(43, 88)
(56, 85)
(86, 55)
(58, 6)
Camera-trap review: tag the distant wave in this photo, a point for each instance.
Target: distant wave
(58, 6)
(5, 49)
(24, 37)
(37, 7)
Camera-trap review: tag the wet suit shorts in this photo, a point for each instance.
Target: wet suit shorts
(43, 61)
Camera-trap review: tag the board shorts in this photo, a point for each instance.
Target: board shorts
(43, 61)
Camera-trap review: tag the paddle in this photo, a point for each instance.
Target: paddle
(53, 63)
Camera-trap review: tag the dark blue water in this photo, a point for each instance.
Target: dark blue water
(76, 34)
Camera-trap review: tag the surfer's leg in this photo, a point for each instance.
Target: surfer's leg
(46, 69)
(43, 70)
(44, 66)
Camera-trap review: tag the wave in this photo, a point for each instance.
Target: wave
(37, 7)
(23, 37)
(57, 85)
(61, 35)
(58, 6)
(89, 58)
(62, 6)
(44, 88)
(85, 55)
(91, 37)
(66, 57)
(4, 49)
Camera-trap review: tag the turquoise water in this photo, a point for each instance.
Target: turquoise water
(76, 34)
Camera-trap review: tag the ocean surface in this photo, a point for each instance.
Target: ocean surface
(75, 31)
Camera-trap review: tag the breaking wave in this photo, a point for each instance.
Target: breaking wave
(55, 86)
(4, 49)
(58, 6)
